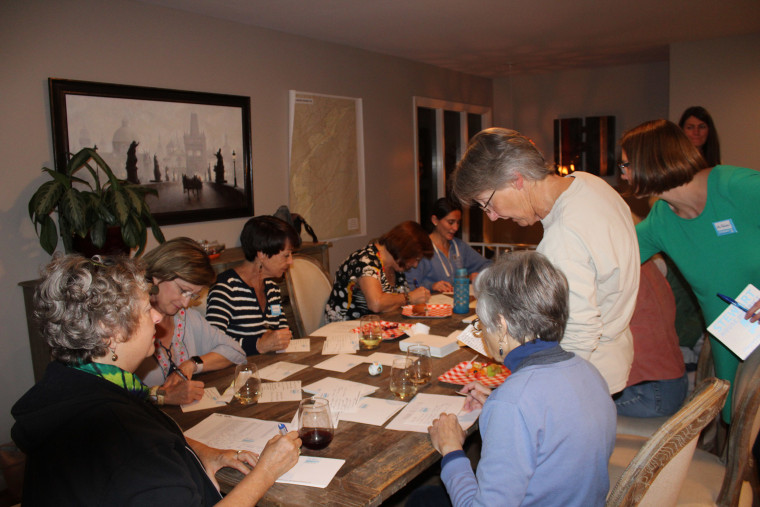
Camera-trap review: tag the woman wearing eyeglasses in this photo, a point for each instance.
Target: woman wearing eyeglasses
(588, 235)
(705, 220)
(186, 344)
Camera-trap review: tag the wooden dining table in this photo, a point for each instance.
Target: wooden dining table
(378, 461)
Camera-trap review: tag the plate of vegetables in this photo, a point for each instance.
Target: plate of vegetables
(487, 373)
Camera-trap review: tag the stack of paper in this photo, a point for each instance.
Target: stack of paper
(440, 346)
(419, 413)
(343, 395)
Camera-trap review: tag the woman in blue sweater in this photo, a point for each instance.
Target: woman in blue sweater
(552, 417)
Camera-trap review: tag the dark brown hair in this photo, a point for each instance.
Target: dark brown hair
(660, 157)
(268, 235)
(711, 149)
(407, 242)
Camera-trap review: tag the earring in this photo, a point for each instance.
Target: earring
(114, 357)
(153, 290)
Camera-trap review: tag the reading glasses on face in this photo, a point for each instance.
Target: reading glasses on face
(484, 207)
(192, 296)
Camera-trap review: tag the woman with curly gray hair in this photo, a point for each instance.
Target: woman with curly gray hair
(89, 433)
(551, 417)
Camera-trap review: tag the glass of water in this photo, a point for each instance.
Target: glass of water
(247, 384)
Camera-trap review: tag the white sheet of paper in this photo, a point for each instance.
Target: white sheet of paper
(280, 391)
(336, 328)
(739, 335)
(331, 383)
(383, 358)
(420, 412)
(211, 399)
(440, 299)
(346, 343)
(231, 432)
(373, 411)
(343, 395)
(468, 320)
(340, 363)
(280, 370)
(419, 328)
(312, 471)
(468, 338)
(297, 345)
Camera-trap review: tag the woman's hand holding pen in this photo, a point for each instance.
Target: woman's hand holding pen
(754, 312)
(273, 340)
(443, 286)
(180, 390)
(419, 295)
(477, 394)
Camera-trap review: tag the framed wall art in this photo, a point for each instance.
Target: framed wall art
(194, 148)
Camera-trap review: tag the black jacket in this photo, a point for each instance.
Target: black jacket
(90, 442)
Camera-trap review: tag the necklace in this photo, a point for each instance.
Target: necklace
(447, 260)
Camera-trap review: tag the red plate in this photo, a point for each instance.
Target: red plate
(433, 312)
(391, 330)
(459, 375)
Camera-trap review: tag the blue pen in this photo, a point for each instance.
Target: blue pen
(282, 428)
(416, 285)
(732, 301)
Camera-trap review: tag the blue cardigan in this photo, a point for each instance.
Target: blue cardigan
(439, 267)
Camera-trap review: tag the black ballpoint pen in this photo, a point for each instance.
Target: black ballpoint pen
(732, 301)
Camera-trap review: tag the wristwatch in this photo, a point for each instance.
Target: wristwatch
(198, 363)
(156, 395)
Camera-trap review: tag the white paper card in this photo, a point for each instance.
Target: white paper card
(418, 328)
(440, 299)
(383, 358)
(279, 371)
(739, 335)
(231, 432)
(340, 363)
(468, 338)
(346, 343)
(211, 399)
(280, 391)
(297, 345)
(336, 328)
(312, 471)
(424, 408)
(373, 411)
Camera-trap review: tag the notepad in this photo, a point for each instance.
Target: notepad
(739, 335)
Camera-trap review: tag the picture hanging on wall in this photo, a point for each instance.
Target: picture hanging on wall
(194, 148)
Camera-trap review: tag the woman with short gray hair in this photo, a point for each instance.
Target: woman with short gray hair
(551, 417)
(588, 235)
(90, 435)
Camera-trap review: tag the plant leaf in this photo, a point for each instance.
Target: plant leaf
(72, 206)
(46, 198)
(98, 233)
(48, 234)
(134, 198)
(120, 205)
(157, 233)
(130, 231)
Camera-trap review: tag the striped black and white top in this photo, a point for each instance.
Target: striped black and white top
(232, 306)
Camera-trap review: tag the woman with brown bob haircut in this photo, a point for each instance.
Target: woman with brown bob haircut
(705, 220)
(372, 279)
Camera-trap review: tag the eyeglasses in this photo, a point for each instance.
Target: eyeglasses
(484, 207)
(477, 328)
(192, 296)
(623, 166)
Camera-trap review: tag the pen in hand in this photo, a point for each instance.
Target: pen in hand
(282, 428)
(179, 372)
(732, 301)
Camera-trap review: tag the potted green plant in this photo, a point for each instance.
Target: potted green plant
(92, 208)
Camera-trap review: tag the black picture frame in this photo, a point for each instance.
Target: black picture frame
(182, 133)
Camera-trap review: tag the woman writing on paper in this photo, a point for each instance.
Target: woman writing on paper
(552, 417)
(437, 273)
(245, 301)
(705, 220)
(90, 435)
(372, 279)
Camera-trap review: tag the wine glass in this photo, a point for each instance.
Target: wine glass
(247, 384)
(315, 428)
(422, 364)
(370, 332)
(402, 384)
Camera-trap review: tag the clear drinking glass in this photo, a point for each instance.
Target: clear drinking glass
(315, 426)
(422, 364)
(371, 332)
(402, 384)
(247, 384)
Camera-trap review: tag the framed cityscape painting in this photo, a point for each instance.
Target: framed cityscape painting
(194, 148)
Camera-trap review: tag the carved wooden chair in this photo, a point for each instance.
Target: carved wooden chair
(309, 287)
(652, 473)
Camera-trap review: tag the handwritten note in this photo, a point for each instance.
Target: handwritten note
(279, 371)
(280, 391)
(297, 345)
(211, 399)
(424, 408)
(231, 432)
(474, 342)
(373, 411)
(383, 358)
(336, 328)
(340, 363)
(346, 343)
(343, 395)
(739, 335)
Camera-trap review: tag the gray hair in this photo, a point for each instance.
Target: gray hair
(529, 292)
(81, 303)
(493, 160)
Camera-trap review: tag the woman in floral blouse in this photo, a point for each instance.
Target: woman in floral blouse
(372, 279)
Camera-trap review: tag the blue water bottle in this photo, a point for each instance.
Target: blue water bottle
(461, 291)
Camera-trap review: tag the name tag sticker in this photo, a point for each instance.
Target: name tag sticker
(276, 310)
(723, 227)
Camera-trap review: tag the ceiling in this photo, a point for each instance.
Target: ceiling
(496, 38)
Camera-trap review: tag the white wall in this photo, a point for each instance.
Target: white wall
(722, 75)
(119, 41)
(531, 103)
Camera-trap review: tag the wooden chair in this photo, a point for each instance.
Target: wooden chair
(733, 481)
(309, 287)
(652, 473)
